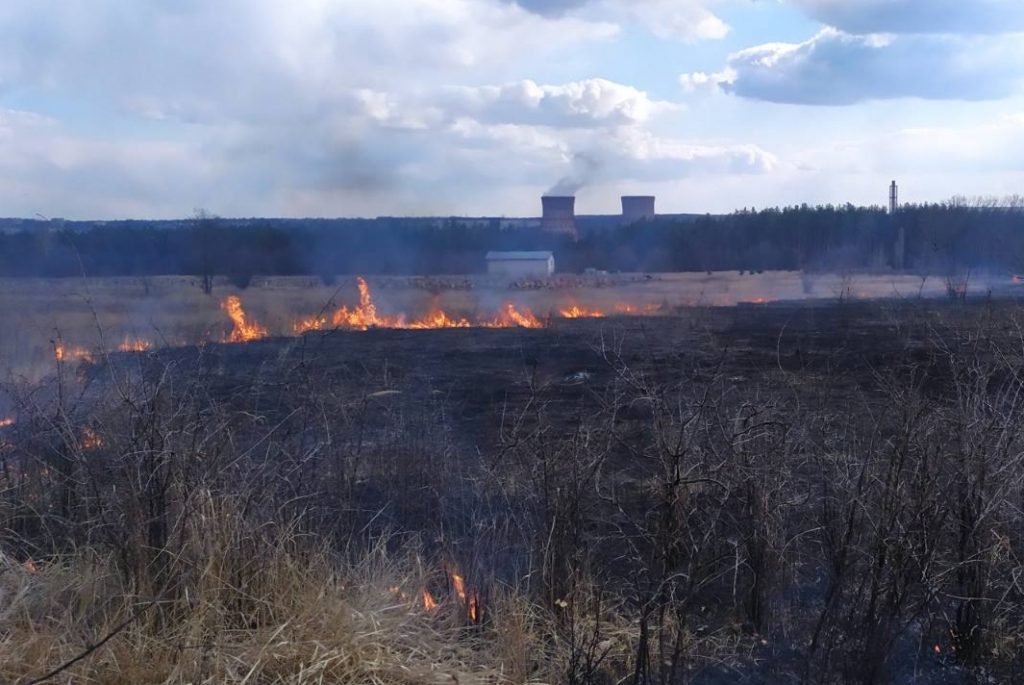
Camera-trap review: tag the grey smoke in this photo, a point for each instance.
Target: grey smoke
(566, 186)
(585, 168)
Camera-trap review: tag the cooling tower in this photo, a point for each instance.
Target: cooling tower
(559, 214)
(637, 208)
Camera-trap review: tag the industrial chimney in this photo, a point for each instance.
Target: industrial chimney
(559, 214)
(894, 198)
(637, 208)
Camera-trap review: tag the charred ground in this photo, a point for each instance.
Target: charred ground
(823, 492)
(482, 374)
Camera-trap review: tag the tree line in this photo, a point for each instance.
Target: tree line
(933, 238)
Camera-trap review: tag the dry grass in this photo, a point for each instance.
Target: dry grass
(98, 314)
(247, 607)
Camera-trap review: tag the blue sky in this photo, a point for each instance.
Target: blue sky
(153, 108)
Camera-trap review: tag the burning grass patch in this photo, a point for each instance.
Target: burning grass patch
(279, 612)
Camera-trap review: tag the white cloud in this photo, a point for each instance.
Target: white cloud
(687, 20)
(675, 19)
(592, 102)
(700, 82)
(549, 7)
(918, 16)
(264, 59)
(48, 170)
(647, 155)
(836, 68)
(243, 104)
(987, 146)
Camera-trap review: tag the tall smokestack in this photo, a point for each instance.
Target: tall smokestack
(637, 208)
(559, 214)
(894, 198)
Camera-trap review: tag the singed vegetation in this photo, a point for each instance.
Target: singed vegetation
(791, 494)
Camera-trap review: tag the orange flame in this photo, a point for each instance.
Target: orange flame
(575, 311)
(365, 316)
(459, 584)
(429, 603)
(78, 354)
(90, 440)
(438, 318)
(244, 330)
(312, 323)
(130, 344)
(7, 422)
(634, 309)
(578, 312)
(468, 600)
(510, 317)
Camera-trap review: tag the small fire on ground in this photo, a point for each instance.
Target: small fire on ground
(365, 316)
(65, 353)
(244, 330)
(133, 344)
(90, 440)
(468, 601)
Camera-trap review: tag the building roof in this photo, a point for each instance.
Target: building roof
(516, 256)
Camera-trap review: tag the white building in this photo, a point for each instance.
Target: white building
(521, 264)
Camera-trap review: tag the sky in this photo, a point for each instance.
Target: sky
(115, 109)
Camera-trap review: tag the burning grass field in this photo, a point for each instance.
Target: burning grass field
(631, 491)
(76, 319)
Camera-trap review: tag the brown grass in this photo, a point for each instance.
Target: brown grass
(275, 613)
(98, 314)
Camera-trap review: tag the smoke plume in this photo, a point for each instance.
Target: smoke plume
(585, 167)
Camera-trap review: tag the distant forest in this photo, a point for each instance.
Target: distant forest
(934, 239)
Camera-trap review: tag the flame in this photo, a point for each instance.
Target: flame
(429, 603)
(29, 566)
(130, 344)
(78, 354)
(365, 316)
(438, 318)
(577, 312)
(459, 584)
(243, 331)
(312, 323)
(509, 317)
(468, 600)
(7, 422)
(634, 309)
(90, 440)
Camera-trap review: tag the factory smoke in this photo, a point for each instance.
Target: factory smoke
(585, 167)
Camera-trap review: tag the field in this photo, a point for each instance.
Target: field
(807, 486)
(99, 315)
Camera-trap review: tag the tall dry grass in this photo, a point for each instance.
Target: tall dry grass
(252, 605)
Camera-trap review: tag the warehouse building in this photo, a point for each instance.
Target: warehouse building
(521, 264)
